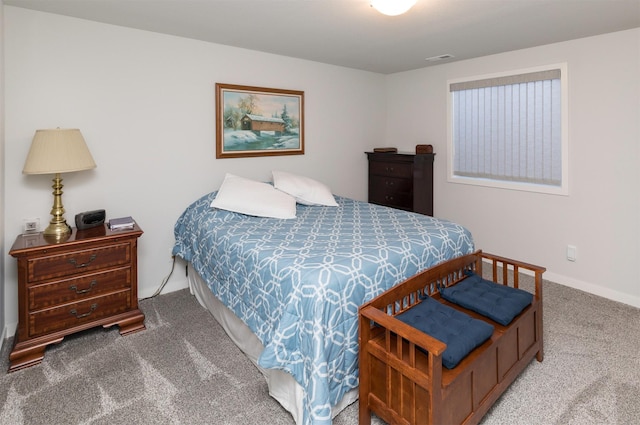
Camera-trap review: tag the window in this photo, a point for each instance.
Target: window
(509, 130)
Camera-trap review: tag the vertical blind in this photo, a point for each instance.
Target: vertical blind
(508, 128)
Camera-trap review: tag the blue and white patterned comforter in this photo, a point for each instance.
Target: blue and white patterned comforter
(298, 283)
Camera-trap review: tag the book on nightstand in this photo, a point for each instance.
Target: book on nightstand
(122, 223)
(385, 150)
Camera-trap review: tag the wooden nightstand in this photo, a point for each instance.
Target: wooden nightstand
(91, 279)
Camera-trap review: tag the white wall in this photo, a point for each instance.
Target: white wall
(2, 250)
(145, 105)
(601, 215)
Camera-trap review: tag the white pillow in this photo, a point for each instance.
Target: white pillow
(306, 191)
(251, 197)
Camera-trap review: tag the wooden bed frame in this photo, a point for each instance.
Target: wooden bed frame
(405, 385)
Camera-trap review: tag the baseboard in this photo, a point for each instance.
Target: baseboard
(180, 282)
(590, 288)
(171, 286)
(9, 331)
(598, 290)
(175, 281)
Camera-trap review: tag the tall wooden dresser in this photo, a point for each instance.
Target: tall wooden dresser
(402, 180)
(88, 280)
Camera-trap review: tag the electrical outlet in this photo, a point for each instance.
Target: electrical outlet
(571, 252)
(31, 225)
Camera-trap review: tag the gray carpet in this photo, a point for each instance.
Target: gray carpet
(184, 370)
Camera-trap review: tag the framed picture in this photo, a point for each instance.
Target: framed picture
(256, 121)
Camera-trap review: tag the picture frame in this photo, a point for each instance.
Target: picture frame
(258, 121)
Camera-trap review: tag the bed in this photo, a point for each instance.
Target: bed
(288, 290)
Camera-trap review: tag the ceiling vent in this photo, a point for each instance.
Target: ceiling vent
(439, 58)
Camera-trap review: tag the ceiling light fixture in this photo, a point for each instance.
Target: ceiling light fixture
(392, 7)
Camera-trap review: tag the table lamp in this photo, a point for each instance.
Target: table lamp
(57, 151)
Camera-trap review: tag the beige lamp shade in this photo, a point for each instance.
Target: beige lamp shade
(58, 151)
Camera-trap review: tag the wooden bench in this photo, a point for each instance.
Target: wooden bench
(406, 385)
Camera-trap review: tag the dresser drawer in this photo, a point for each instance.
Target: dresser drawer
(76, 289)
(76, 262)
(391, 169)
(392, 192)
(403, 201)
(391, 185)
(70, 315)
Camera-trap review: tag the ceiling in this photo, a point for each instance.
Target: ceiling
(350, 33)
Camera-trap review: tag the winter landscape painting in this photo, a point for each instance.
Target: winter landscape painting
(257, 121)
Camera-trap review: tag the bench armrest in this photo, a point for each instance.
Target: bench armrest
(405, 331)
(502, 266)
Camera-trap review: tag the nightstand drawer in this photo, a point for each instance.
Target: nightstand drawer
(76, 314)
(391, 169)
(70, 290)
(75, 262)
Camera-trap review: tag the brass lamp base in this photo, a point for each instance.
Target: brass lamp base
(58, 229)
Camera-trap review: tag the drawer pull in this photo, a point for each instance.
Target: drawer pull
(80, 316)
(81, 265)
(84, 291)
(388, 183)
(389, 169)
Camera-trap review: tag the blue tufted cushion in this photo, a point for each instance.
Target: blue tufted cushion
(461, 332)
(497, 302)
